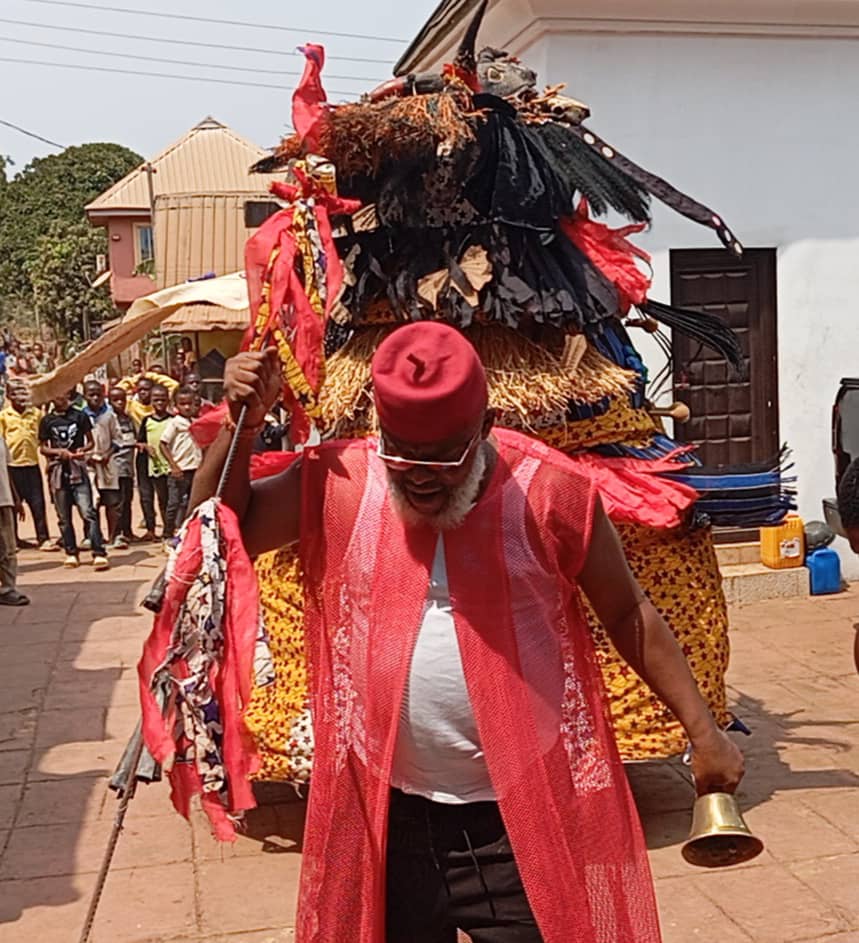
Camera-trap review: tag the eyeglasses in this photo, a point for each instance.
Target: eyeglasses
(398, 463)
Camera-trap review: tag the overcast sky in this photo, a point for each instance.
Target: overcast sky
(145, 112)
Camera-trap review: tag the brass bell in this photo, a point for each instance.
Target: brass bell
(719, 836)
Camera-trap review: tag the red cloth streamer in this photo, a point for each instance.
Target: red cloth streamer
(309, 98)
(205, 428)
(231, 680)
(452, 71)
(275, 259)
(612, 253)
(270, 258)
(266, 464)
(632, 491)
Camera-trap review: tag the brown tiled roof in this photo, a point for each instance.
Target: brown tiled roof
(210, 158)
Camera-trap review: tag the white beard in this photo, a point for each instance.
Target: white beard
(460, 501)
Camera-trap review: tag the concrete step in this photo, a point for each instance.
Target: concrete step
(735, 554)
(753, 582)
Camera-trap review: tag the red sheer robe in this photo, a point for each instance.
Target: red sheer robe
(532, 678)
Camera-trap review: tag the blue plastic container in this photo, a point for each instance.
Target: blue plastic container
(824, 568)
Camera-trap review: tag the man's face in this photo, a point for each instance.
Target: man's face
(118, 400)
(159, 400)
(186, 405)
(137, 366)
(431, 492)
(144, 392)
(193, 380)
(38, 350)
(18, 397)
(61, 402)
(94, 395)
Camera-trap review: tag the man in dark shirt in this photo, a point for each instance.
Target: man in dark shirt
(65, 439)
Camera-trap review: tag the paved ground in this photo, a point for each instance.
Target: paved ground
(68, 703)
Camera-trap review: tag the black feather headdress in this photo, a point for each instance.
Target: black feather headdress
(473, 176)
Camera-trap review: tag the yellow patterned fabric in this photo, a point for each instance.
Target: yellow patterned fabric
(277, 715)
(620, 423)
(679, 572)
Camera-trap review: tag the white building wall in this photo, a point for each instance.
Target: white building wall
(764, 131)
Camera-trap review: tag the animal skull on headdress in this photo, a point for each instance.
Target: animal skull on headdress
(504, 75)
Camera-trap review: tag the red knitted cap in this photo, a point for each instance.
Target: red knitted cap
(428, 383)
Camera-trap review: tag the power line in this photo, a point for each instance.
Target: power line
(181, 42)
(201, 65)
(32, 134)
(159, 75)
(206, 19)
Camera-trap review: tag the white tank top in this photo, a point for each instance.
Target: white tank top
(438, 753)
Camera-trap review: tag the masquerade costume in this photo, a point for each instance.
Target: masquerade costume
(475, 193)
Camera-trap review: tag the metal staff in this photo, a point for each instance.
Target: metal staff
(136, 762)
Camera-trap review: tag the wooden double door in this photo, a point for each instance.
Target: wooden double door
(734, 420)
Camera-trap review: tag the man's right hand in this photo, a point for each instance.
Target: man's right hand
(254, 379)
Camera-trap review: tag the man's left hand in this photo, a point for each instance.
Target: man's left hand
(717, 763)
(19, 510)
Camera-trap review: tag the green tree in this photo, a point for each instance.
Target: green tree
(61, 273)
(48, 191)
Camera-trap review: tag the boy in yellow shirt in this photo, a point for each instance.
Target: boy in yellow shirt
(19, 426)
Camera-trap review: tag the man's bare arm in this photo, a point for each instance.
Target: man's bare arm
(648, 645)
(269, 509)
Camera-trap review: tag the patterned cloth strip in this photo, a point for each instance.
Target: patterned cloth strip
(754, 495)
(197, 650)
(660, 447)
(198, 643)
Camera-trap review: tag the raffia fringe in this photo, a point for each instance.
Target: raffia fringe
(527, 383)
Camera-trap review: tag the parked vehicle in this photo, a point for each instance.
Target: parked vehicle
(845, 442)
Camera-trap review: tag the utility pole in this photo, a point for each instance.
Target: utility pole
(150, 171)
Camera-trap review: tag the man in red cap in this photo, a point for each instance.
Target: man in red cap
(465, 774)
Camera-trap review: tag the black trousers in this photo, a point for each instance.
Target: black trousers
(161, 490)
(451, 867)
(150, 487)
(28, 484)
(78, 495)
(144, 489)
(178, 492)
(123, 524)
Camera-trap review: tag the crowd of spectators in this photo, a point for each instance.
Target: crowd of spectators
(90, 452)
